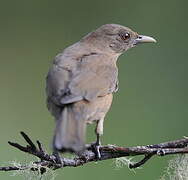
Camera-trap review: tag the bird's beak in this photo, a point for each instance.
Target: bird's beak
(144, 39)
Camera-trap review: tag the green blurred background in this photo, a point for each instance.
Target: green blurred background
(151, 105)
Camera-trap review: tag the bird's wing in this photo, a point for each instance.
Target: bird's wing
(94, 77)
(90, 77)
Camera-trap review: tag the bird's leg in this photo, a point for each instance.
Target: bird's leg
(97, 146)
(57, 156)
(99, 132)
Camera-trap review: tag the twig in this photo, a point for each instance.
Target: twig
(140, 163)
(107, 152)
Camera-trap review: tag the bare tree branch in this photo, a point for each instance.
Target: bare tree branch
(107, 152)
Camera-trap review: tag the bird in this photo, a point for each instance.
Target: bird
(81, 82)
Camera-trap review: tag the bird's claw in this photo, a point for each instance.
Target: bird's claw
(96, 150)
(58, 158)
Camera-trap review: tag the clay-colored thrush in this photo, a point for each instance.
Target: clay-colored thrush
(81, 83)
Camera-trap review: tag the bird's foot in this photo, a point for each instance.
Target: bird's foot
(57, 158)
(96, 149)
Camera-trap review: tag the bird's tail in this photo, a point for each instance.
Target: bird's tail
(70, 131)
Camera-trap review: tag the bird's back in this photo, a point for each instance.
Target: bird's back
(79, 88)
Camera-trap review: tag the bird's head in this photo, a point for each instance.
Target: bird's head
(116, 38)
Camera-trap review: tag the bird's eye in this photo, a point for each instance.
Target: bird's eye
(124, 36)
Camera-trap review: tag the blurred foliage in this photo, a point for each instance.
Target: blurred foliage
(151, 105)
